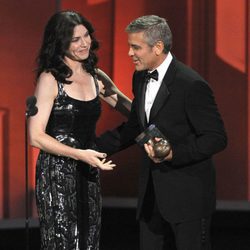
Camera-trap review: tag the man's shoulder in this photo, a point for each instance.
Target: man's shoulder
(186, 72)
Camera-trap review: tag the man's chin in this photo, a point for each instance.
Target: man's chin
(139, 68)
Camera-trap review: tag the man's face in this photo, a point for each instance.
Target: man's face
(80, 44)
(142, 54)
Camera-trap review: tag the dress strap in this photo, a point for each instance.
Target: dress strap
(61, 93)
(60, 88)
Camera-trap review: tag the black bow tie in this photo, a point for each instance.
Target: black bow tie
(153, 75)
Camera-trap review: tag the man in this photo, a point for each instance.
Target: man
(177, 194)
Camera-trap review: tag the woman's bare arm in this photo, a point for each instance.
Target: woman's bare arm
(112, 95)
(45, 93)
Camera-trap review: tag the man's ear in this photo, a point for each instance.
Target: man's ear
(158, 48)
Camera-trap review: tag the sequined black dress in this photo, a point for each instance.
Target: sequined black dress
(68, 191)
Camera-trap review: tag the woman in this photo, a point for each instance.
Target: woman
(67, 175)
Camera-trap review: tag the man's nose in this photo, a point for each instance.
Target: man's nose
(130, 52)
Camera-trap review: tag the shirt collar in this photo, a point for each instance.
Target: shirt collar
(162, 69)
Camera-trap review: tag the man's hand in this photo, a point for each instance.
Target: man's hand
(150, 151)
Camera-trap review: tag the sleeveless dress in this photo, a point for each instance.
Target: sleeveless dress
(68, 193)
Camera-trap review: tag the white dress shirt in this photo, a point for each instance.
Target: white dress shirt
(153, 85)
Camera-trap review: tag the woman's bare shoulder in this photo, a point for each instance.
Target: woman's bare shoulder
(46, 77)
(46, 83)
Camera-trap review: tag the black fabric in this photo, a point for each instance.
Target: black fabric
(68, 192)
(157, 233)
(185, 112)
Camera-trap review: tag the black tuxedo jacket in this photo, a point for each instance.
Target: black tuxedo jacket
(186, 113)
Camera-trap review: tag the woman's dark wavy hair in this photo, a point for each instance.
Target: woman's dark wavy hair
(56, 41)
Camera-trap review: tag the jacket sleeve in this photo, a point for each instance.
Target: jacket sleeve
(121, 137)
(208, 135)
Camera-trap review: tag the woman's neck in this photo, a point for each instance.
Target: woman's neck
(75, 66)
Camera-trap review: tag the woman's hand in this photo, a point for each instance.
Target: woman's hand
(95, 159)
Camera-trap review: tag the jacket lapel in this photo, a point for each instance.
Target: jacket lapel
(163, 92)
(141, 100)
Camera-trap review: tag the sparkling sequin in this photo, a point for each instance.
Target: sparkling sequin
(67, 191)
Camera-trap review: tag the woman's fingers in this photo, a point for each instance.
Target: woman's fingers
(101, 155)
(109, 165)
(97, 159)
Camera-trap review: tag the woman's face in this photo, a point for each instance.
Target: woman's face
(80, 44)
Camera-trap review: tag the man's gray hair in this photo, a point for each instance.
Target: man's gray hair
(155, 29)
